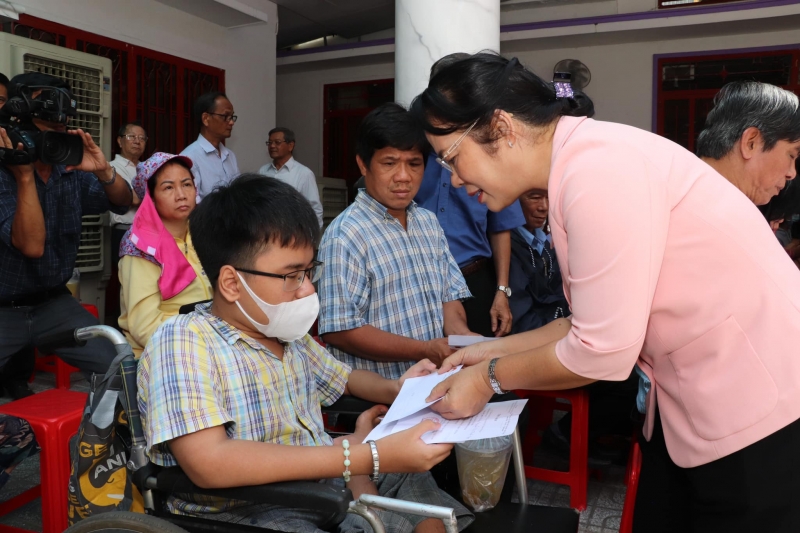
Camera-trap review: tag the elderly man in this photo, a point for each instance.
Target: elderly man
(752, 138)
(40, 226)
(214, 163)
(131, 140)
(285, 168)
(390, 291)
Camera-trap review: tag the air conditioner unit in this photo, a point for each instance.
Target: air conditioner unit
(333, 195)
(89, 76)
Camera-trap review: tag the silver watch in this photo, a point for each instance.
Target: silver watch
(493, 380)
(505, 290)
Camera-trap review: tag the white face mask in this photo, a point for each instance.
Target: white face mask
(288, 321)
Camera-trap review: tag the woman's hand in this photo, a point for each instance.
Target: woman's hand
(463, 394)
(367, 421)
(405, 451)
(472, 355)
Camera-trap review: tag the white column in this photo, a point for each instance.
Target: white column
(427, 30)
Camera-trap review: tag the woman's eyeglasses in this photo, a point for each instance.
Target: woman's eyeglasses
(442, 160)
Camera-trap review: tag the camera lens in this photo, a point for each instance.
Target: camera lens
(56, 148)
(53, 150)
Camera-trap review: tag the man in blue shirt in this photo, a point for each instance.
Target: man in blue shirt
(213, 162)
(480, 241)
(41, 206)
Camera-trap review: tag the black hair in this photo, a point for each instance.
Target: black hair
(4, 80)
(391, 125)
(206, 103)
(469, 88)
(124, 127)
(236, 222)
(744, 104)
(784, 204)
(32, 79)
(288, 135)
(152, 180)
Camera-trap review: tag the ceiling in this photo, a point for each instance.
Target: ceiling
(300, 21)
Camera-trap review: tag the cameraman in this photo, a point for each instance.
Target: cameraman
(41, 207)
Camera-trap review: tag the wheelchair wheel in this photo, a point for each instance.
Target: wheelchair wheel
(124, 522)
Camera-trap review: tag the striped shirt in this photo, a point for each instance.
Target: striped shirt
(199, 372)
(377, 273)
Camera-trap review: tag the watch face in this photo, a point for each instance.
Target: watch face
(505, 289)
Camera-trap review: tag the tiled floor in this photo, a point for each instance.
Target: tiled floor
(604, 499)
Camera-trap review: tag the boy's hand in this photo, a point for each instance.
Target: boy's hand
(437, 350)
(362, 485)
(405, 452)
(420, 368)
(367, 421)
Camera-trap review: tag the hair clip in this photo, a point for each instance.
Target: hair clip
(563, 87)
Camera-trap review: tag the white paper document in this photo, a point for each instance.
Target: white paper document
(411, 398)
(410, 408)
(461, 341)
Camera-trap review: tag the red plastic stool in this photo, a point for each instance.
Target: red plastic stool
(541, 408)
(632, 485)
(53, 363)
(54, 416)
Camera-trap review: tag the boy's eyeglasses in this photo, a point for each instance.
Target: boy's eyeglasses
(441, 160)
(293, 280)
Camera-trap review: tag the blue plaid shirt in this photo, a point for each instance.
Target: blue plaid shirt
(65, 198)
(391, 278)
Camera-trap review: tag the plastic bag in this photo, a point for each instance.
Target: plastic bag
(482, 467)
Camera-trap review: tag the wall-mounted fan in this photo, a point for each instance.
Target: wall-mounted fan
(580, 75)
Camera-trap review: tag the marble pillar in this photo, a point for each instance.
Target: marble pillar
(427, 30)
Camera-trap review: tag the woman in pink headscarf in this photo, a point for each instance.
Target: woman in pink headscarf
(159, 270)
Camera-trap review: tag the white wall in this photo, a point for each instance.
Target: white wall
(621, 64)
(247, 53)
(300, 95)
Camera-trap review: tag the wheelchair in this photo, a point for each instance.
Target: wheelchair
(156, 483)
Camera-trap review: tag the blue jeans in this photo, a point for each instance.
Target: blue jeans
(23, 326)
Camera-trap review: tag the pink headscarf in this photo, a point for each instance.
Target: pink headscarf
(150, 240)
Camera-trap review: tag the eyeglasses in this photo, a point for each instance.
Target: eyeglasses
(277, 143)
(293, 280)
(225, 118)
(140, 138)
(441, 160)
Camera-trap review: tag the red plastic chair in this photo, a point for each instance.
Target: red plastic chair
(632, 485)
(53, 363)
(542, 404)
(54, 416)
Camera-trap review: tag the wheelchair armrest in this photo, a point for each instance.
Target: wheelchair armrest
(348, 405)
(321, 497)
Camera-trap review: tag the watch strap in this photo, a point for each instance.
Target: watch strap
(493, 379)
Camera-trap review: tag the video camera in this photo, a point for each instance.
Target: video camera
(53, 104)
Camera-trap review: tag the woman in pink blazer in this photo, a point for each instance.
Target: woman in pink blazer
(667, 265)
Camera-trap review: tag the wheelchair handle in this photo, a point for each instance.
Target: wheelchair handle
(77, 337)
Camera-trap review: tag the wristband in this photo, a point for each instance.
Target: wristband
(376, 464)
(113, 177)
(493, 380)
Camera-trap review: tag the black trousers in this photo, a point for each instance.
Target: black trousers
(483, 286)
(755, 490)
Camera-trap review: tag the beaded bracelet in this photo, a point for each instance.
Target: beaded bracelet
(346, 474)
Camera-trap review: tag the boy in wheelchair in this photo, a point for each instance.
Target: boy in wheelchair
(232, 391)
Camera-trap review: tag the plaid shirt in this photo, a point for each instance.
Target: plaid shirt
(65, 198)
(199, 372)
(391, 278)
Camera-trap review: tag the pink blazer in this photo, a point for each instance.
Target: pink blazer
(667, 264)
